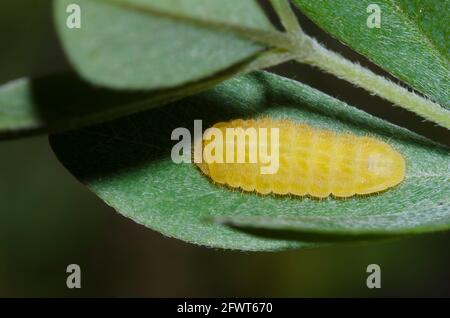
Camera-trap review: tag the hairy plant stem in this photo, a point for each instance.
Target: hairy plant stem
(354, 73)
(306, 50)
(287, 17)
(309, 51)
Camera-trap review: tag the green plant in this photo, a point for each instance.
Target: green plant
(202, 58)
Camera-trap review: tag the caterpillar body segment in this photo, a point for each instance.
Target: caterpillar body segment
(313, 162)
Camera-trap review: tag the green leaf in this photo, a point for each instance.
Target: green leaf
(154, 44)
(51, 103)
(127, 163)
(64, 101)
(412, 42)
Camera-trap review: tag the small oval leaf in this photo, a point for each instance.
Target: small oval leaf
(63, 101)
(154, 44)
(411, 41)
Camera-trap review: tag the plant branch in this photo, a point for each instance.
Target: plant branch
(311, 52)
(339, 66)
(287, 17)
(307, 50)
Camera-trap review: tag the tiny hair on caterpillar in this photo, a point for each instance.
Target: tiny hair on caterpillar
(312, 162)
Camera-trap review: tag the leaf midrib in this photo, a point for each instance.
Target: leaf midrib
(268, 38)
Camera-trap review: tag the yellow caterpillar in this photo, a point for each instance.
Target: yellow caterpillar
(312, 162)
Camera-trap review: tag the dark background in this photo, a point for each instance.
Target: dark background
(48, 220)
